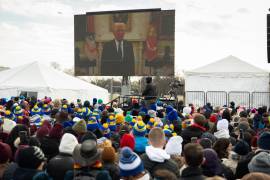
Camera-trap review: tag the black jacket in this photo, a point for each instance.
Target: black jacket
(59, 165)
(49, 146)
(242, 166)
(113, 169)
(24, 174)
(192, 173)
(190, 132)
(149, 92)
(152, 166)
(111, 62)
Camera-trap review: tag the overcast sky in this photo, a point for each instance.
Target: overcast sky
(206, 30)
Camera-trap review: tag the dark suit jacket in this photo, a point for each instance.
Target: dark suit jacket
(111, 62)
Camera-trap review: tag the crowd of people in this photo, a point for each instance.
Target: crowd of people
(57, 139)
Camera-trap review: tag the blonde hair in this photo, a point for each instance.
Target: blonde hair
(156, 137)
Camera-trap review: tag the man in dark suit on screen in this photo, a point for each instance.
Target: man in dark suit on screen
(117, 57)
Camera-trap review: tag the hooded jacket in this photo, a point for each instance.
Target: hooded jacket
(156, 158)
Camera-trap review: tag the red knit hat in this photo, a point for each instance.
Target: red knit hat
(47, 124)
(57, 131)
(43, 131)
(213, 118)
(127, 140)
(5, 153)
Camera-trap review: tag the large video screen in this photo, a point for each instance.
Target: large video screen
(125, 43)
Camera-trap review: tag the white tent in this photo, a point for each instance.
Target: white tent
(46, 81)
(228, 74)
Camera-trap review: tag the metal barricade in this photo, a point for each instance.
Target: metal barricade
(260, 99)
(216, 98)
(196, 98)
(240, 98)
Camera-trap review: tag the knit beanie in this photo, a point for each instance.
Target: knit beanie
(57, 131)
(174, 145)
(8, 125)
(263, 141)
(241, 148)
(43, 131)
(150, 124)
(30, 157)
(223, 124)
(68, 143)
(92, 124)
(127, 140)
(211, 161)
(130, 163)
(139, 129)
(108, 154)
(119, 118)
(5, 153)
(112, 123)
(260, 163)
(80, 127)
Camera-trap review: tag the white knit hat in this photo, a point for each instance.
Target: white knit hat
(68, 143)
(8, 125)
(174, 145)
(186, 110)
(223, 124)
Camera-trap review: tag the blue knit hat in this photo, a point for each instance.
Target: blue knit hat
(106, 130)
(96, 113)
(130, 163)
(46, 109)
(9, 115)
(86, 112)
(139, 129)
(36, 111)
(79, 113)
(263, 141)
(150, 124)
(172, 115)
(112, 123)
(64, 108)
(18, 111)
(241, 148)
(92, 124)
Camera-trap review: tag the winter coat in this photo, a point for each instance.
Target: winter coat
(9, 172)
(113, 169)
(49, 146)
(152, 166)
(59, 165)
(140, 143)
(24, 174)
(192, 131)
(192, 173)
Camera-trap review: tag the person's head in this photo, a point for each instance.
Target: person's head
(257, 176)
(199, 119)
(130, 164)
(6, 153)
(31, 157)
(193, 154)
(163, 174)
(108, 154)
(226, 115)
(156, 137)
(87, 153)
(222, 147)
(211, 165)
(119, 30)
(148, 80)
(263, 141)
(68, 143)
